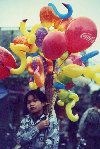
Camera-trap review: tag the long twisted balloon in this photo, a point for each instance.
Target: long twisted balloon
(62, 16)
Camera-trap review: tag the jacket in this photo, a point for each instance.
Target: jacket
(29, 137)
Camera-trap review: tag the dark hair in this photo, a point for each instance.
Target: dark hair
(95, 97)
(35, 93)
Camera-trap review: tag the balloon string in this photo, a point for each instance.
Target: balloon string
(54, 72)
(62, 62)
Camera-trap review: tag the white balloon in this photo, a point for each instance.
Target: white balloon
(81, 81)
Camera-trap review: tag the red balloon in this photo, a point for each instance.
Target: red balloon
(6, 60)
(54, 45)
(80, 34)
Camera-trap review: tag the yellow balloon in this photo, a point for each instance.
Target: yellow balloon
(60, 62)
(62, 59)
(74, 97)
(97, 68)
(30, 35)
(63, 94)
(60, 103)
(23, 28)
(33, 49)
(97, 78)
(64, 56)
(35, 28)
(32, 85)
(89, 72)
(69, 113)
(72, 70)
(20, 69)
(93, 72)
(29, 60)
(20, 50)
(31, 39)
(47, 24)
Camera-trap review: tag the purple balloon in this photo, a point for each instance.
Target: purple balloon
(40, 34)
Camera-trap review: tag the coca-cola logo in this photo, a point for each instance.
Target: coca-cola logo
(88, 37)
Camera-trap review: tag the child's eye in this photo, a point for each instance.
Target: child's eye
(34, 100)
(28, 102)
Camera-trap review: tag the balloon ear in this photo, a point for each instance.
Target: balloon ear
(60, 103)
(62, 16)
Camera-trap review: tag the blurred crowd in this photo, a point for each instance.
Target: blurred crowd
(85, 133)
(71, 133)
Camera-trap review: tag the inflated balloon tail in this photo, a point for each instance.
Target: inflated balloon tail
(32, 85)
(89, 55)
(69, 107)
(23, 27)
(69, 113)
(60, 103)
(20, 50)
(97, 68)
(62, 16)
(59, 85)
(30, 35)
(21, 68)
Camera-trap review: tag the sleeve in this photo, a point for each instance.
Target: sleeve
(82, 124)
(26, 133)
(52, 140)
(93, 117)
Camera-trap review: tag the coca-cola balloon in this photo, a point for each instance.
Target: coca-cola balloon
(54, 45)
(80, 34)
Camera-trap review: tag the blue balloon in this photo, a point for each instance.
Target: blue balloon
(59, 85)
(62, 16)
(34, 54)
(89, 55)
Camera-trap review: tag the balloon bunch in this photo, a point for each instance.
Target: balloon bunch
(58, 39)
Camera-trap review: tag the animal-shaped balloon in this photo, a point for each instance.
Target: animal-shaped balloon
(69, 99)
(36, 67)
(50, 16)
(31, 37)
(20, 47)
(74, 71)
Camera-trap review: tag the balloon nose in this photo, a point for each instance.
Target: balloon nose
(64, 4)
(24, 20)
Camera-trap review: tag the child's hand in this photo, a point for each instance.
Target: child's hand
(43, 124)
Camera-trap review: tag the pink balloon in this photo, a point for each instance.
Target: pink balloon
(80, 34)
(54, 45)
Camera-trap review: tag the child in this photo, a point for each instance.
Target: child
(37, 131)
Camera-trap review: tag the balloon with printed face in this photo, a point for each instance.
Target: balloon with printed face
(80, 34)
(54, 45)
(6, 61)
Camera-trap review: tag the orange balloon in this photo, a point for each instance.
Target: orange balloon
(62, 24)
(21, 40)
(47, 16)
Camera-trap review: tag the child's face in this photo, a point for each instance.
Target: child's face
(34, 105)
